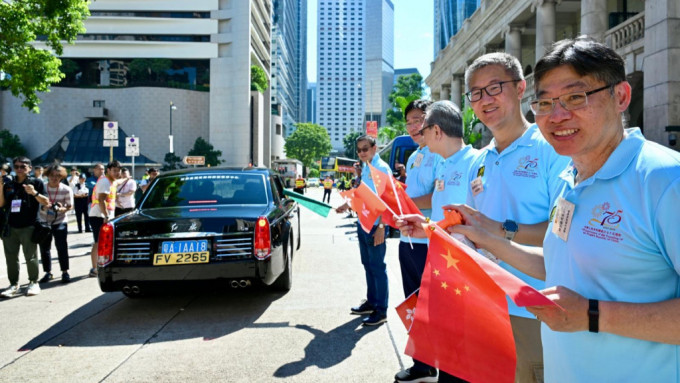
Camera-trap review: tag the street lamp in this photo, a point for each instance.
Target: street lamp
(172, 107)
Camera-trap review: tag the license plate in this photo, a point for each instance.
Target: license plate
(161, 259)
(182, 253)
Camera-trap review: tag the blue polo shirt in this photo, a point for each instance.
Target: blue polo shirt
(451, 185)
(420, 177)
(519, 184)
(623, 245)
(379, 164)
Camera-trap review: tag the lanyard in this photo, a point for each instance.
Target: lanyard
(49, 195)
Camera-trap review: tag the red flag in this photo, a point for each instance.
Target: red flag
(407, 310)
(393, 193)
(462, 324)
(367, 205)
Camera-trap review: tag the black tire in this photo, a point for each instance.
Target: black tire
(285, 281)
(299, 231)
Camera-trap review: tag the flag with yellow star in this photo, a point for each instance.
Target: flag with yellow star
(393, 193)
(461, 323)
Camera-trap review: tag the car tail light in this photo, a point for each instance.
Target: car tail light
(263, 243)
(105, 245)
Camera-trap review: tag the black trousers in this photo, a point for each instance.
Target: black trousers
(80, 205)
(59, 233)
(326, 192)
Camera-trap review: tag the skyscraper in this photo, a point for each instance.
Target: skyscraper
(345, 35)
(289, 66)
(448, 19)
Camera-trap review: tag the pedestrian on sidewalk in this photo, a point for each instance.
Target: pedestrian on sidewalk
(125, 194)
(60, 199)
(103, 206)
(20, 201)
(80, 197)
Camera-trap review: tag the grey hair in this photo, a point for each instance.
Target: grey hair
(509, 62)
(447, 115)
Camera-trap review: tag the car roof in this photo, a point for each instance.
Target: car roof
(217, 169)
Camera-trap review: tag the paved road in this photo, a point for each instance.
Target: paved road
(76, 333)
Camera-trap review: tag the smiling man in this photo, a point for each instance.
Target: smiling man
(372, 245)
(611, 255)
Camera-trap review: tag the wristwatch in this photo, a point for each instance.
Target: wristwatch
(510, 228)
(36, 194)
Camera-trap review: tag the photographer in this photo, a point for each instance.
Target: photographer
(60, 198)
(20, 200)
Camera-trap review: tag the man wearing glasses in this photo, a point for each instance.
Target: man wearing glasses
(513, 186)
(611, 254)
(372, 245)
(20, 201)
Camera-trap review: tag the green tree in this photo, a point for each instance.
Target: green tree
(172, 162)
(349, 143)
(31, 70)
(69, 67)
(388, 133)
(11, 145)
(203, 148)
(308, 143)
(313, 173)
(258, 79)
(143, 69)
(408, 88)
(469, 122)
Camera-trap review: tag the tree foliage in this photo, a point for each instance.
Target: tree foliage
(308, 143)
(172, 162)
(313, 173)
(144, 69)
(349, 143)
(258, 79)
(408, 88)
(11, 145)
(204, 148)
(470, 120)
(28, 69)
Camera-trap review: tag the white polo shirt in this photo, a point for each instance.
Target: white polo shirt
(623, 245)
(420, 177)
(519, 184)
(451, 184)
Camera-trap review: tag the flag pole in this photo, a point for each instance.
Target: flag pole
(401, 211)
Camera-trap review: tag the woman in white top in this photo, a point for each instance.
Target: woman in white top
(80, 196)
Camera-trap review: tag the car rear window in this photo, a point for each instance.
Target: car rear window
(207, 189)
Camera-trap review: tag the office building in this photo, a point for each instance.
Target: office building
(449, 16)
(311, 103)
(379, 59)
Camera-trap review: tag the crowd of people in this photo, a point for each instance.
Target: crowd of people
(577, 205)
(34, 213)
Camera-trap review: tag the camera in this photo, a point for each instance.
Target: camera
(56, 206)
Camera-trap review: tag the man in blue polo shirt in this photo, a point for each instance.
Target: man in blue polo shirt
(372, 245)
(611, 255)
(514, 184)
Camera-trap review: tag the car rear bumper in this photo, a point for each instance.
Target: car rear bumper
(114, 277)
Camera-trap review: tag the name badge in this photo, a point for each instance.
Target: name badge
(563, 216)
(439, 185)
(16, 205)
(476, 186)
(418, 160)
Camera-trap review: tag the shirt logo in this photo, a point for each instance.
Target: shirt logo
(605, 223)
(455, 178)
(526, 167)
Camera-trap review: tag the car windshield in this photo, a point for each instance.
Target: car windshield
(207, 189)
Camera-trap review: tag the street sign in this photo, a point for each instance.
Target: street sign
(111, 143)
(110, 130)
(194, 160)
(132, 146)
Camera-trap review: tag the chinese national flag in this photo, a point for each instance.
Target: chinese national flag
(462, 324)
(407, 310)
(367, 205)
(393, 193)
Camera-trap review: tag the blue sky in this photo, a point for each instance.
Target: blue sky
(413, 28)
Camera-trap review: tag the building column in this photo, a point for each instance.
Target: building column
(513, 41)
(661, 116)
(444, 93)
(594, 21)
(456, 90)
(545, 26)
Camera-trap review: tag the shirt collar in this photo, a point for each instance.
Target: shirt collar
(526, 139)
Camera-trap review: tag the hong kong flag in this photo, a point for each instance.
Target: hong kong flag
(407, 310)
(393, 193)
(366, 204)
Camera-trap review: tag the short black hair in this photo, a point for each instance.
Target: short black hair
(22, 160)
(416, 104)
(586, 57)
(113, 164)
(365, 137)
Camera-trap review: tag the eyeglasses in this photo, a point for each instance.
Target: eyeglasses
(491, 90)
(569, 101)
(21, 166)
(364, 149)
(420, 132)
(415, 121)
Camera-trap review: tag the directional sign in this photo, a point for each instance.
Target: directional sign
(111, 143)
(111, 130)
(194, 160)
(132, 146)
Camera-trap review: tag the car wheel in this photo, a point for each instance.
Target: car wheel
(299, 232)
(285, 280)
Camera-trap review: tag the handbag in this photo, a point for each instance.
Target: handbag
(41, 230)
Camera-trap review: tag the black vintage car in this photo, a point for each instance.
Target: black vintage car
(228, 224)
